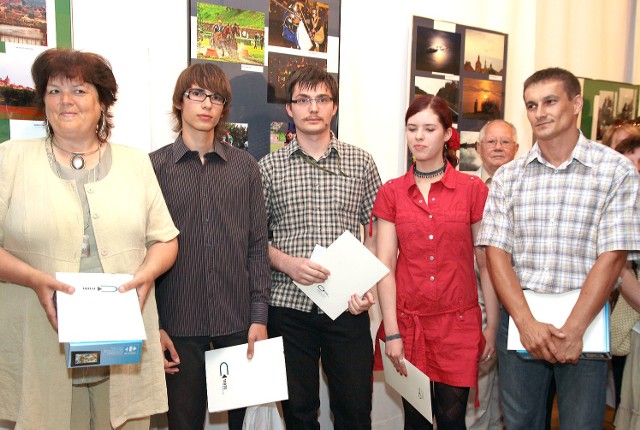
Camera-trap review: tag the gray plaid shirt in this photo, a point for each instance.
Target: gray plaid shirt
(311, 203)
(556, 221)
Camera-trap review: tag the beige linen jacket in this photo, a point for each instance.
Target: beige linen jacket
(41, 223)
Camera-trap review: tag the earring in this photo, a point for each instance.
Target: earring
(101, 127)
(47, 126)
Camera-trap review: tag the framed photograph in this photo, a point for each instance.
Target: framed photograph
(437, 51)
(484, 52)
(469, 158)
(606, 103)
(229, 34)
(482, 99)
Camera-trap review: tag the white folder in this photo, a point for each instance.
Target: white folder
(415, 388)
(555, 309)
(354, 270)
(97, 311)
(234, 381)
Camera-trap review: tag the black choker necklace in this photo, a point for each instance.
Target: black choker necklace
(77, 158)
(431, 174)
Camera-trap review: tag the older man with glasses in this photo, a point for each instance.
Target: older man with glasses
(497, 145)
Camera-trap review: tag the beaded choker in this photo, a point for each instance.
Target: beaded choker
(431, 174)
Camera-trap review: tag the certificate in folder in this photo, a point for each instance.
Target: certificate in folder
(415, 388)
(234, 381)
(555, 309)
(354, 270)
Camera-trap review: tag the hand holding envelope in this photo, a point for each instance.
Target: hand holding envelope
(234, 381)
(97, 311)
(415, 387)
(354, 270)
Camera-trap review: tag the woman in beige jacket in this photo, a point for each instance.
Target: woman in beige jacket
(73, 202)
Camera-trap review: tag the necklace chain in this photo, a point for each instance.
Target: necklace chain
(77, 161)
(431, 174)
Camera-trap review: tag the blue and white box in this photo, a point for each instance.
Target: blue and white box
(92, 354)
(99, 325)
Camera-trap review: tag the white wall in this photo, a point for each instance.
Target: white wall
(146, 42)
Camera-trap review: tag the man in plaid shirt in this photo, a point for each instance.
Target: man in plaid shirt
(316, 188)
(562, 217)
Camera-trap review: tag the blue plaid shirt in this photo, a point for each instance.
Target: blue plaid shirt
(556, 221)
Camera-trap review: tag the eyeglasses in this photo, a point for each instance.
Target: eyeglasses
(199, 95)
(321, 101)
(493, 142)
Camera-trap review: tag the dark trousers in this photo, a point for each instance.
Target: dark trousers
(187, 389)
(346, 350)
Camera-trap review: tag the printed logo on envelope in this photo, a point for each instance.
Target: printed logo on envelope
(322, 290)
(224, 374)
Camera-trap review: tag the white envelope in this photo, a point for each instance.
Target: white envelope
(354, 270)
(97, 312)
(555, 309)
(234, 381)
(414, 388)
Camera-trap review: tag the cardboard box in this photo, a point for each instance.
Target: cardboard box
(91, 354)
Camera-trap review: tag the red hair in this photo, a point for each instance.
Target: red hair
(439, 107)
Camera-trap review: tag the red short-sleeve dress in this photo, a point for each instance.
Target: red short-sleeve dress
(436, 292)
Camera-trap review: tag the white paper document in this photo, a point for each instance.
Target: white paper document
(97, 311)
(354, 270)
(555, 309)
(415, 387)
(234, 381)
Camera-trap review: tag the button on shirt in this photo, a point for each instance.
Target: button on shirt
(556, 221)
(311, 203)
(220, 281)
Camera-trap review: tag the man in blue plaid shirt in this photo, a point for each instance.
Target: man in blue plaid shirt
(316, 188)
(564, 216)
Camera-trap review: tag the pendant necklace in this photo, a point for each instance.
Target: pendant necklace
(77, 161)
(431, 174)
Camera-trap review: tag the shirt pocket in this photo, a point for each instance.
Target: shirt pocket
(347, 193)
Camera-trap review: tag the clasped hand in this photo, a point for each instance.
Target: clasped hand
(545, 341)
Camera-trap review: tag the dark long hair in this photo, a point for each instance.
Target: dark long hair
(440, 107)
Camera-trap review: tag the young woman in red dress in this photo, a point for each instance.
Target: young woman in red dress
(427, 221)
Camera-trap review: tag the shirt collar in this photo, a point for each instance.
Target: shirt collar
(484, 174)
(580, 153)
(294, 146)
(180, 149)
